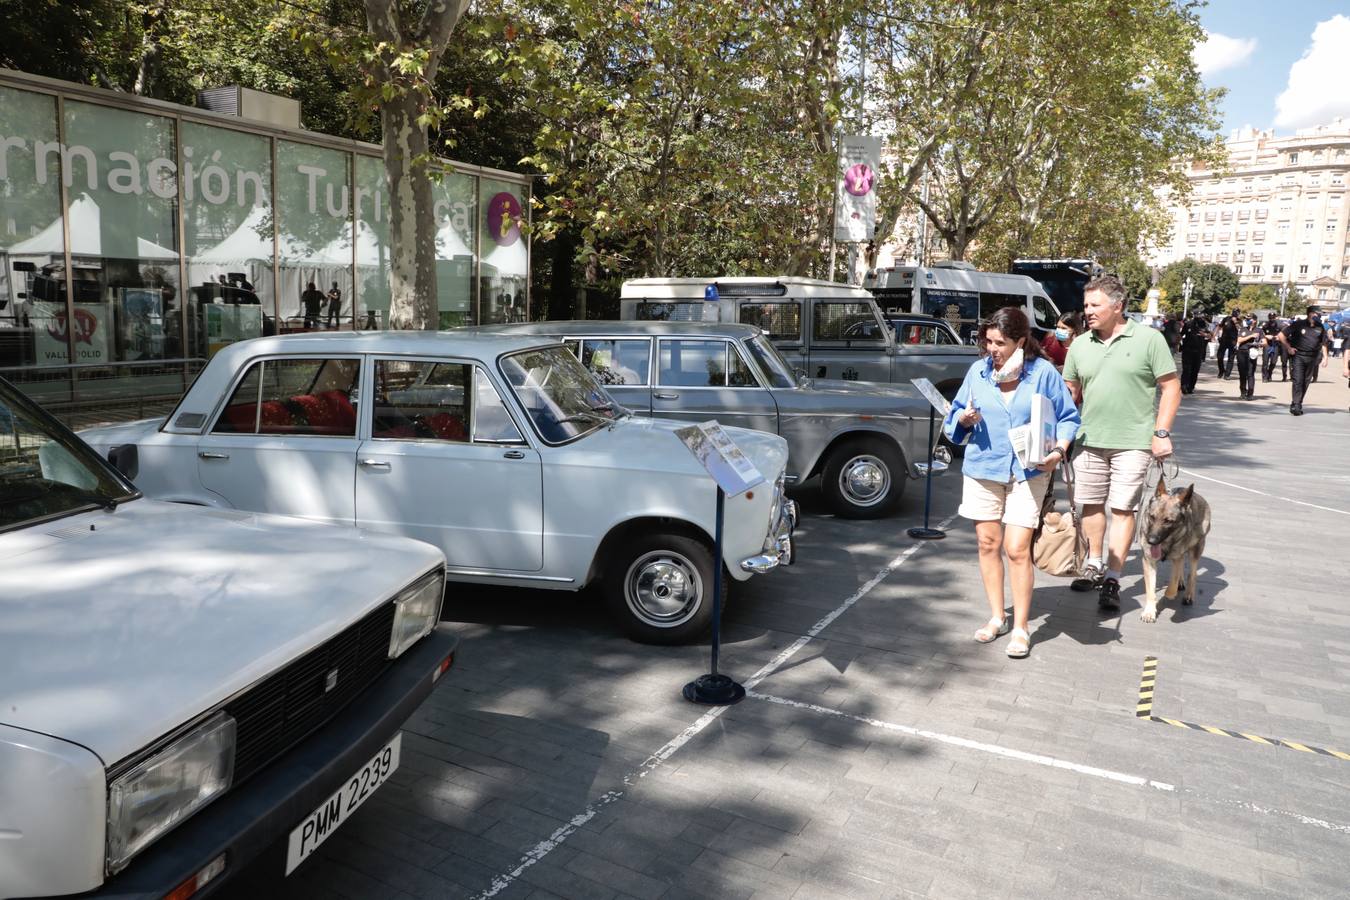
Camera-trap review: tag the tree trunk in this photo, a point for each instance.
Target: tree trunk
(412, 225)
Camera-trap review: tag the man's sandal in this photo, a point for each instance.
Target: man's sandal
(1019, 645)
(992, 629)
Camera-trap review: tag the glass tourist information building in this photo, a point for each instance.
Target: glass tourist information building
(138, 237)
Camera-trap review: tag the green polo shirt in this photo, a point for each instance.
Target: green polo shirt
(1119, 381)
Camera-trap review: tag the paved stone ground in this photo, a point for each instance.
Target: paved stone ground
(914, 762)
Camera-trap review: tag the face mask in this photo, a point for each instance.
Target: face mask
(1061, 334)
(1012, 369)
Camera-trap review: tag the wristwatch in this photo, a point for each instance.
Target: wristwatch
(1162, 433)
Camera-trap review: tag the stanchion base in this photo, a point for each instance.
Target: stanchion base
(714, 690)
(926, 534)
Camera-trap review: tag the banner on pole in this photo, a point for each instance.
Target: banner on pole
(855, 203)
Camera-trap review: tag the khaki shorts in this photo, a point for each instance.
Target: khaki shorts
(1013, 502)
(1113, 477)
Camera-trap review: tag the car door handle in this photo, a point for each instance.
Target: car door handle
(514, 454)
(374, 464)
(666, 395)
(211, 454)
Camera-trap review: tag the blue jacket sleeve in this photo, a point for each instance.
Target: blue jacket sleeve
(1066, 411)
(955, 432)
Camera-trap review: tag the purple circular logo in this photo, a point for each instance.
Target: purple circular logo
(504, 219)
(858, 179)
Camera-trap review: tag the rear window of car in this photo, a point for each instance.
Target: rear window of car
(846, 322)
(308, 396)
(703, 363)
(620, 362)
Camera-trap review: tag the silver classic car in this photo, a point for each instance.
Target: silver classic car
(864, 440)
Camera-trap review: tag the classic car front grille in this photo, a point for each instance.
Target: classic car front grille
(282, 709)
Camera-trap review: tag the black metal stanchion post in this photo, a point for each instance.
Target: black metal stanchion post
(926, 533)
(715, 689)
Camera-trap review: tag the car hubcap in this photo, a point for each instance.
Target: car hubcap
(864, 480)
(663, 588)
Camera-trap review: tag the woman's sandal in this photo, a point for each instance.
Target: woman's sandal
(992, 629)
(1019, 645)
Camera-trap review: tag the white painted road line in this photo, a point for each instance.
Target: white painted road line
(553, 841)
(1054, 763)
(966, 743)
(1195, 474)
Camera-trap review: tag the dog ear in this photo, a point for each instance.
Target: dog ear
(1161, 489)
(1187, 494)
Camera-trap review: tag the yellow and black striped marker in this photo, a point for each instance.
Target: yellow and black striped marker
(1144, 710)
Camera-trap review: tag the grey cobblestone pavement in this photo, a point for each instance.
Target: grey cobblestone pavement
(888, 755)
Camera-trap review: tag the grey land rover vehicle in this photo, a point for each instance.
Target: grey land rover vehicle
(824, 329)
(864, 440)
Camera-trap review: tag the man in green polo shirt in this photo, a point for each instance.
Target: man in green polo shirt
(1114, 372)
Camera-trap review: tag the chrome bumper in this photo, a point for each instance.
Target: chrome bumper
(778, 549)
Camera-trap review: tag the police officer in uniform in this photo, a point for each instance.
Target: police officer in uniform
(1305, 340)
(1194, 343)
(1248, 357)
(1273, 350)
(1226, 335)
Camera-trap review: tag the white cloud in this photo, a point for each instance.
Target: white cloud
(1319, 83)
(1219, 52)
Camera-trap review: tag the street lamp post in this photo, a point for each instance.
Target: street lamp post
(1284, 293)
(1186, 287)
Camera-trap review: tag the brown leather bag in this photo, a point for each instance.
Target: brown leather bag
(1059, 546)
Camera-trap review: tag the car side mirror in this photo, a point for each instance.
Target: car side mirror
(125, 459)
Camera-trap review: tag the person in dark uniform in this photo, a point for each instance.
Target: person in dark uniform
(334, 305)
(1273, 350)
(1248, 357)
(312, 301)
(1226, 336)
(1194, 343)
(1305, 340)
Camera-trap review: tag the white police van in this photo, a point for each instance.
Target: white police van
(961, 294)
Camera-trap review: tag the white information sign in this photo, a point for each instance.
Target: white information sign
(726, 463)
(932, 395)
(855, 190)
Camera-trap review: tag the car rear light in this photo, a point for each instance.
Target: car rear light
(443, 668)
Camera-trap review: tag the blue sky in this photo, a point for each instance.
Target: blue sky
(1286, 63)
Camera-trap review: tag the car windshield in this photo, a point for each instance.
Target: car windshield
(560, 396)
(45, 471)
(771, 361)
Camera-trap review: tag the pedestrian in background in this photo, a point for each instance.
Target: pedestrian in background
(1194, 344)
(1305, 340)
(1115, 371)
(1271, 330)
(1001, 495)
(1248, 356)
(1172, 332)
(1225, 335)
(334, 305)
(1056, 344)
(311, 301)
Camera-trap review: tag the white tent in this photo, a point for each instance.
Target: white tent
(86, 236)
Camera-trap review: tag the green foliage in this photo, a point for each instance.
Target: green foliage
(1134, 274)
(1214, 287)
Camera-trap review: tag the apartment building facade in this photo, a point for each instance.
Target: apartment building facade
(1276, 214)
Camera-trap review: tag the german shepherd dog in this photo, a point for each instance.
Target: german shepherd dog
(1173, 525)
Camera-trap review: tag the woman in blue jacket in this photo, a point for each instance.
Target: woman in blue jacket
(998, 493)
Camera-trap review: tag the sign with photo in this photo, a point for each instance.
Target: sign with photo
(726, 463)
(90, 326)
(855, 203)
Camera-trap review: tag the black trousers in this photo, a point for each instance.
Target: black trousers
(1225, 359)
(1190, 369)
(1246, 373)
(1268, 370)
(1304, 365)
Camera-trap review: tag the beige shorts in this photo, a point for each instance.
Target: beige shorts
(1012, 503)
(1113, 477)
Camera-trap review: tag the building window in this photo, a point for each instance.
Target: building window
(1237, 269)
(1303, 269)
(1195, 217)
(1256, 270)
(1241, 236)
(1293, 159)
(1331, 226)
(1338, 179)
(1308, 225)
(1321, 293)
(1258, 235)
(1222, 257)
(1277, 269)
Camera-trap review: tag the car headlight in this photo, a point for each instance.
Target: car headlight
(153, 797)
(417, 609)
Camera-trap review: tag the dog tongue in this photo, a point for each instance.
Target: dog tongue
(1155, 551)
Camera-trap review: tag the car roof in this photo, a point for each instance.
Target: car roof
(613, 327)
(912, 316)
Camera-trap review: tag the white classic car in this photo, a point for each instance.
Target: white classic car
(502, 450)
(182, 689)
